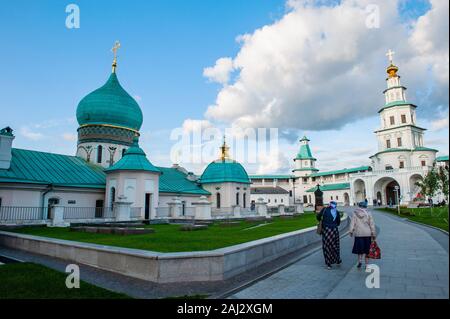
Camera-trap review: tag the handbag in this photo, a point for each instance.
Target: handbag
(374, 251)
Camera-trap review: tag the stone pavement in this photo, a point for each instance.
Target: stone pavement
(414, 264)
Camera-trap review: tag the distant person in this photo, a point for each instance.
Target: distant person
(366, 201)
(379, 202)
(362, 226)
(330, 219)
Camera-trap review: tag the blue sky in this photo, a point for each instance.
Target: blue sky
(46, 68)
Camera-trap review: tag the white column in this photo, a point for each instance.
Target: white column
(57, 212)
(122, 209)
(202, 209)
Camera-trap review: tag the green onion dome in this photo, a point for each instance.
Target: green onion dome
(110, 105)
(224, 170)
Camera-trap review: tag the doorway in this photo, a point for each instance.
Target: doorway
(391, 196)
(99, 208)
(148, 205)
(51, 203)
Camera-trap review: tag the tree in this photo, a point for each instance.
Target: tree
(430, 184)
(443, 182)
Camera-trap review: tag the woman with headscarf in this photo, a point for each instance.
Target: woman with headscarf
(362, 227)
(330, 219)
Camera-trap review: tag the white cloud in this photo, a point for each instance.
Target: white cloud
(69, 137)
(31, 135)
(191, 125)
(273, 162)
(320, 67)
(220, 72)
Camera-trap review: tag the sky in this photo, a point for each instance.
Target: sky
(302, 66)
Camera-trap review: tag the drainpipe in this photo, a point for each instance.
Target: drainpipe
(48, 190)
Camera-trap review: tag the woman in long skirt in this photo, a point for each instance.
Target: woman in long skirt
(330, 219)
(362, 227)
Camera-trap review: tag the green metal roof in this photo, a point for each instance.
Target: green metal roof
(395, 103)
(110, 104)
(40, 168)
(330, 187)
(416, 149)
(224, 171)
(305, 169)
(175, 181)
(134, 159)
(271, 176)
(443, 158)
(305, 151)
(7, 131)
(33, 167)
(342, 171)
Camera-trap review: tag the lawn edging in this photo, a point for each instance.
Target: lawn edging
(404, 218)
(214, 265)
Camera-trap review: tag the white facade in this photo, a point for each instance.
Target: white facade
(140, 188)
(225, 196)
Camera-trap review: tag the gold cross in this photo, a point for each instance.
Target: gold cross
(115, 48)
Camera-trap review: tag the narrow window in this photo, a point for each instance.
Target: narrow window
(112, 198)
(244, 199)
(290, 193)
(399, 141)
(331, 197)
(388, 143)
(337, 197)
(402, 164)
(218, 200)
(392, 120)
(403, 118)
(237, 199)
(99, 153)
(281, 200)
(423, 163)
(305, 199)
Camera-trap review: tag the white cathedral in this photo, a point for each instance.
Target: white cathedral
(112, 177)
(402, 159)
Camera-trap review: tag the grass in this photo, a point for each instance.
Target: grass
(169, 238)
(438, 217)
(33, 281)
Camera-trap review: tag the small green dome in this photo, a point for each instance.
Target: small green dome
(225, 170)
(134, 159)
(110, 104)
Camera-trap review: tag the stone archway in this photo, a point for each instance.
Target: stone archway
(346, 199)
(359, 190)
(386, 188)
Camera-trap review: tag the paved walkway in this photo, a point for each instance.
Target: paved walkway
(414, 264)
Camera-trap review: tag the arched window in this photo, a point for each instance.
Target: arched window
(244, 200)
(218, 200)
(237, 199)
(99, 153)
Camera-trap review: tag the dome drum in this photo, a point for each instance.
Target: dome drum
(106, 133)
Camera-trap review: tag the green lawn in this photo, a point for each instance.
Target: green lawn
(32, 281)
(437, 218)
(168, 237)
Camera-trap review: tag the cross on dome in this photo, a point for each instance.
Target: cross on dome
(114, 50)
(390, 55)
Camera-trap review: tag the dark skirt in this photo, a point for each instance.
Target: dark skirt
(331, 245)
(362, 245)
